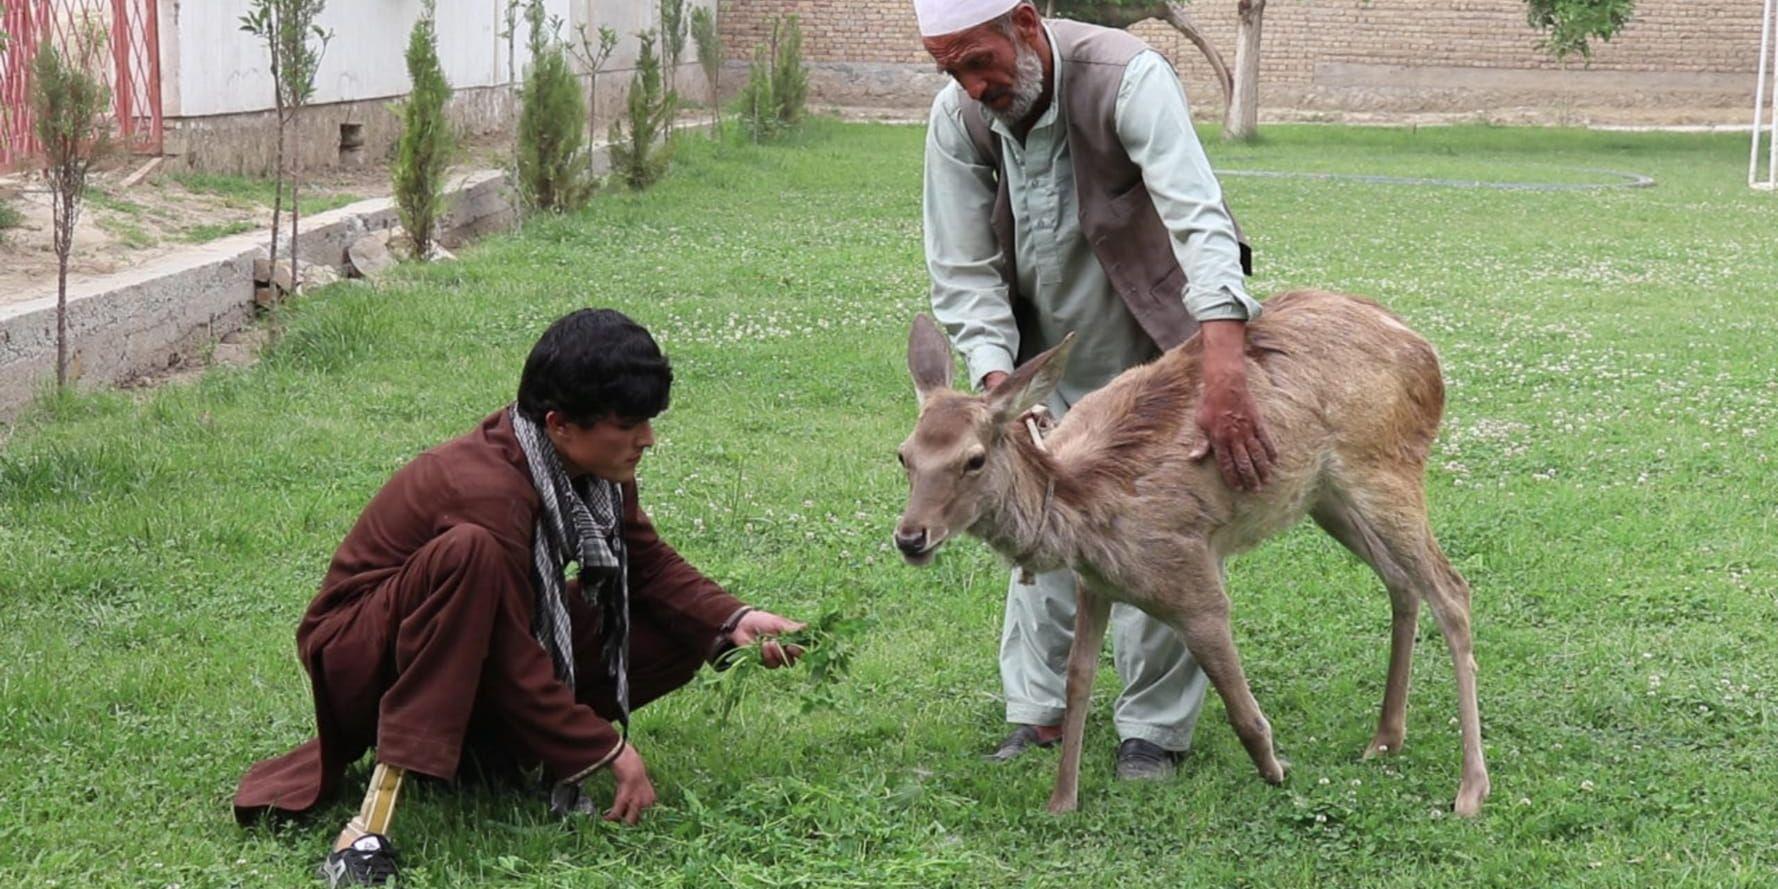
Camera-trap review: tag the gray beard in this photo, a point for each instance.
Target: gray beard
(1027, 86)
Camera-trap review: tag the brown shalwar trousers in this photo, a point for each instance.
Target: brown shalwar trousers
(440, 655)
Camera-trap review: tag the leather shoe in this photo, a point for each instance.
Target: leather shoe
(1139, 760)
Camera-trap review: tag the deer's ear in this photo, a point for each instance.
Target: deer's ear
(1031, 384)
(929, 357)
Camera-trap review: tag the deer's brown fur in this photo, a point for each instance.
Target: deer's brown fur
(1351, 396)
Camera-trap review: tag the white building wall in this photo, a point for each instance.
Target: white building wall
(217, 93)
(212, 67)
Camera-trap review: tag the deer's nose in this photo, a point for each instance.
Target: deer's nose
(910, 542)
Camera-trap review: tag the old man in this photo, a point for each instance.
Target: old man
(1065, 190)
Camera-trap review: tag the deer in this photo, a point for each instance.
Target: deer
(1117, 492)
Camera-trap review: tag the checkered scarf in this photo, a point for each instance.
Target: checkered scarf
(578, 522)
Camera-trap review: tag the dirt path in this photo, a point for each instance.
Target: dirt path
(164, 213)
(122, 227)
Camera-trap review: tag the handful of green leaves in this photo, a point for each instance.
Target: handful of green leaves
(827, 645)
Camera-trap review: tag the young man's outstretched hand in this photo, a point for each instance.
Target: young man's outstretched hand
(764, 626)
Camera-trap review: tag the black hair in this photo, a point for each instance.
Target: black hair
(593, 363)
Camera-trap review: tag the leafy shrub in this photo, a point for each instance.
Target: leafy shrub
(640, 153)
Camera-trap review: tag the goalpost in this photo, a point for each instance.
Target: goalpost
(1766, 84)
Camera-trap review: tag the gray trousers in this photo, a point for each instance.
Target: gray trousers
(1163, 688)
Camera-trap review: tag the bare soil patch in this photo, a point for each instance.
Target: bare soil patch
(121, 227)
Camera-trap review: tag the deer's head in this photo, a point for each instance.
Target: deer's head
(959, 449)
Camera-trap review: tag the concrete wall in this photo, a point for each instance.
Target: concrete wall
(246, 143)
(1680, 61)
(211, 67)
(169, 310)
(218, 93)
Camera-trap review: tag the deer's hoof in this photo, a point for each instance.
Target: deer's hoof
(1275, 770)
(1062, 805)
(1469, 798)
(1383, 745)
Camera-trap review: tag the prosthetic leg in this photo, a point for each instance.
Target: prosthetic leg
(363, 855)
(378, 808)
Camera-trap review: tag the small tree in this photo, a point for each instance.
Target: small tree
(639, 153)
(550, 126)
(594, 59)
(757, 108)
(673, 22)
(304, 44)
(772, 103)
(790, 80)
(1571, 25)
(68, 103)
(709, 44)
(425, 147)
(263, 20)
(294, 47)
(509, 32)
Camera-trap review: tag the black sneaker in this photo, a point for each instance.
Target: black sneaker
(1139, 760)
(369, 861)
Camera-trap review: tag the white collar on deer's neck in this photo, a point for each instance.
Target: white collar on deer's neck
(1034, 423)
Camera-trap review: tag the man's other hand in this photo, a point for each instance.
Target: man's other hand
(635, 793)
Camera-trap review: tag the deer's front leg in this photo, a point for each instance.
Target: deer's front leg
(1090, 613)
(1201, 615)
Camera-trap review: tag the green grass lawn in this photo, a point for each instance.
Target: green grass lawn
(1605, 479)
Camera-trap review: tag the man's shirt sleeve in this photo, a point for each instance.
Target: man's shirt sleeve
(1154, 124)
(970, 298)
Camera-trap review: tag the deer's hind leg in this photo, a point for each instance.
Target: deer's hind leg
(1340, 521)
(1392, 512)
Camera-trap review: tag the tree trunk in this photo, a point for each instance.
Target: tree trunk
(1118, 15)
(63, 220)
(1242, 122)
(62, 321)
(296, 179)
(592, 123)
(277, 195)
(1175, 15)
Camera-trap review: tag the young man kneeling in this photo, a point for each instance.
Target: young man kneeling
(446, 624)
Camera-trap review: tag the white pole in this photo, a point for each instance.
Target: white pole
(1772, 120)
(1759, 92)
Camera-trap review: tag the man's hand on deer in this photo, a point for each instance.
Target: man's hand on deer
(1227, 415)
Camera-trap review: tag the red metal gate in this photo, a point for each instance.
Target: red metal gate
(119, 39)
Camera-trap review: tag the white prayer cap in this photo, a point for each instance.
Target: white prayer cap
(950, 16)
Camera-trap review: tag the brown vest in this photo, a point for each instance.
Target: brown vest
(1116, 215)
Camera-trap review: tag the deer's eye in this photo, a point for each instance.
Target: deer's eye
(975, 463)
